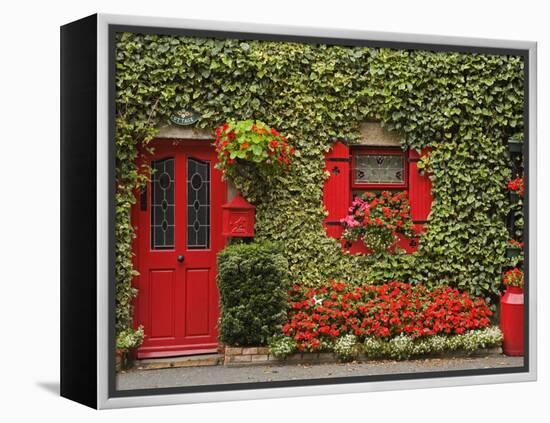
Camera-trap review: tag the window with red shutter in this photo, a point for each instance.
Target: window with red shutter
(336, 193)
(373, 169)
(420, 189)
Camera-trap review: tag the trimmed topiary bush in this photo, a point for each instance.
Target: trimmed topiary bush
(253, 283)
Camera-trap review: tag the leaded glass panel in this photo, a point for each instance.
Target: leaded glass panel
(162, 204)
(198, 204)
(379, 169)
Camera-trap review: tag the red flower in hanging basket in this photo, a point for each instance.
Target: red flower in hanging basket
(251, 142)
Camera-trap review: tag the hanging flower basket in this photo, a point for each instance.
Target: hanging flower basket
(251, 148)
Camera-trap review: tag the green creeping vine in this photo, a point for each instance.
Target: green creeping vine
(462, 105)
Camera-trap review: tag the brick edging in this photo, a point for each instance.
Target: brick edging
(247, 356)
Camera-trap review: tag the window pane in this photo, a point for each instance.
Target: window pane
(379, 169)
(198, 204)
(162, 204)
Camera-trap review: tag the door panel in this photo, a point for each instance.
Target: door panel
(178, 236)
(197, 307)
(161, 292)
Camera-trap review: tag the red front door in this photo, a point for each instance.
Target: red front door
(179, 231)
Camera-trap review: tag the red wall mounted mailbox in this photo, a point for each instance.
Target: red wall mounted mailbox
(238, 217)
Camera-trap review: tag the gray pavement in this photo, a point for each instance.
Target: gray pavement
(208, 375)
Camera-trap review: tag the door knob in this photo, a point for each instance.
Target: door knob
(180, 259)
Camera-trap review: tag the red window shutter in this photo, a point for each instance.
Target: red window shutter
(420, 189)
(336, 192)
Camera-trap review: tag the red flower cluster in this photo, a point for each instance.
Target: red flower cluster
(380, 311)
(513, 277)
(517, 185)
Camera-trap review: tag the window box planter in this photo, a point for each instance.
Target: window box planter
(512, 252)
(410, 245)
(515, 146)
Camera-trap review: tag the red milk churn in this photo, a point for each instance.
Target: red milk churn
(511, 321)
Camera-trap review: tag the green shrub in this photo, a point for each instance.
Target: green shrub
(253, 283)
(129, 339)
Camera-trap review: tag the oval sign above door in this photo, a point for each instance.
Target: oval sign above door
(184, 117)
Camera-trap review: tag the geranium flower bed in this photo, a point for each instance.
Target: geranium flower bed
(318, 317)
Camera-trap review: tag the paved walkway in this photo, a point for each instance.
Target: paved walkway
(208, 375)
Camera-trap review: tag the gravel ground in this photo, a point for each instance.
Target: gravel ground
(208, 375)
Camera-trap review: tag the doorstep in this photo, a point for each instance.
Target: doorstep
(181, 361)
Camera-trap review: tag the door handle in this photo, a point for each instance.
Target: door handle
(180, 259)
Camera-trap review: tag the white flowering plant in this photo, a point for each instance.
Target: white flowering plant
(346, 347)
(129, 339)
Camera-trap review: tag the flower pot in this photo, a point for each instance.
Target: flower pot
(356, 247)
(512, 252)
(515, 146)
(514, 196)
(511, 321)
(127, 359)
(118, 361)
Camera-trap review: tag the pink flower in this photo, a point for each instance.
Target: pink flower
(357, 201)
(349, 221)
(364, 207)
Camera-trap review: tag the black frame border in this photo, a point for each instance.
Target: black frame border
(78, 213)
(113, 29)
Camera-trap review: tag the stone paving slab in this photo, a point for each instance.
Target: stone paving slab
(184, 361)
(208, 375)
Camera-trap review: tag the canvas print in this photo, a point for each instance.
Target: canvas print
(290, 211)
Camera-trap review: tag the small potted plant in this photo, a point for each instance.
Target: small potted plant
(516, 188)
(514, 248)
(127, 342)
(251, 146)
(511, 313)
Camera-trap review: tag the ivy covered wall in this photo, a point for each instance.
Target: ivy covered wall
(462, 105)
